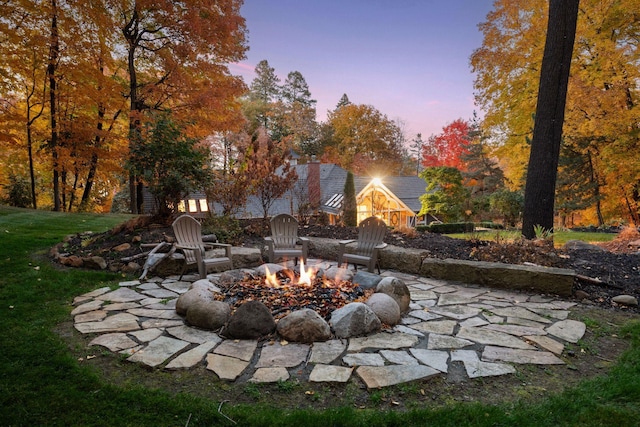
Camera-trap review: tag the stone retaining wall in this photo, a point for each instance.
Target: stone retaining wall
(492, 274)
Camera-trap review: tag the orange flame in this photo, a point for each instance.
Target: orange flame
(270, 278)
(305, 276)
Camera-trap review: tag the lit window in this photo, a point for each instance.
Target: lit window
(203, 205)
(181, 206)
(193, 207)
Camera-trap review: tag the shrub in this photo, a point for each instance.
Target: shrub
(18, 191)
(448, 228)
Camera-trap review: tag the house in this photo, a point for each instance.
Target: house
(320, 187)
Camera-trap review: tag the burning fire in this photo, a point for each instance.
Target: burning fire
(307, 277)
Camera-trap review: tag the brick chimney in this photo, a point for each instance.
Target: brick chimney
(313, 182)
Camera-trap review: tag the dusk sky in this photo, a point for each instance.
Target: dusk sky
(407, 58)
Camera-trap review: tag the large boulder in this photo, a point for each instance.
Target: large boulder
(211, 315)
(192, 297)
(366, 280)
(337, 274)
(251, 320)
(304, 326)
(385, 307)
(397, 290)
(353, 320)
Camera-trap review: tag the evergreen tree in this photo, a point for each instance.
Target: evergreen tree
(349, 205)
(344, 100)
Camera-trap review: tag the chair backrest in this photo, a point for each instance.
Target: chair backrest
(371, 232)
(284, 231)
(188, 232)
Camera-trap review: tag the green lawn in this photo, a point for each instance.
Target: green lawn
(42, 383)
(559, 237)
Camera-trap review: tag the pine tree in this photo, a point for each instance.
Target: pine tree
(349, 202)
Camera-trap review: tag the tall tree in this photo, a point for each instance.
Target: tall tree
(344, 100)
(547, 132)
(54, 52)
(171, 163)
(24, 49)
(445, 194)
(363, 140)
(448, 147)
(299, 127)
(602, 115)
(173, 49)
(349, 204)
(271, 174)
(416, 150)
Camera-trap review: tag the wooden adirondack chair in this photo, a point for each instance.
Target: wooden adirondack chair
(189, 241)
(284, 241)
(371, 232)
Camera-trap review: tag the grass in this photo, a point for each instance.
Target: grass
(43, 383)
(559, 237)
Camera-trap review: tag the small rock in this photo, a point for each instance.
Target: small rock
(627, 300)
(131, 267)
(94, 263)
(122, 247)
(71, 261)
(581, 295)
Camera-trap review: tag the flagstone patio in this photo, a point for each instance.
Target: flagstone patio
(490, 332)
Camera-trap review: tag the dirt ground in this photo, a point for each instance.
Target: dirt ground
(614, 264)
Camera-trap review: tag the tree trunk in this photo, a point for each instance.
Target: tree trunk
(542, 170)
(54, 50)
(131, 34)
(32, 174)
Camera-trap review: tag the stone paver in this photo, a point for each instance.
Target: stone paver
(384, 376)
(330, 373)
(491, 332)
(492, 353)
(282, 356)
(226, 367)
(158, 350)
(192, 357)
(568, 330)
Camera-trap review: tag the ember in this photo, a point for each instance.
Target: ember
(285, 291)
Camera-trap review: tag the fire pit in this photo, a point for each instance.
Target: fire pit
(305, 305)
(287, 290)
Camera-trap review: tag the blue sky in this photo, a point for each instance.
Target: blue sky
(407, 58)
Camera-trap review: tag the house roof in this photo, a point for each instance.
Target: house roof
(332, 180)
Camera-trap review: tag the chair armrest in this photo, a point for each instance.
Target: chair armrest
(220, 245)
(226, 246)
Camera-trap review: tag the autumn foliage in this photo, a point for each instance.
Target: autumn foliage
(448, 147)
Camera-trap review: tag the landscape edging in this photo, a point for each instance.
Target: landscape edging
(551, 280)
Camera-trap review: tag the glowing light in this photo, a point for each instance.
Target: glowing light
(270, 278)
(376, 181)
(305, 276)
